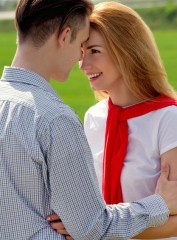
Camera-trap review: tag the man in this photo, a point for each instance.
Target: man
(46, 164)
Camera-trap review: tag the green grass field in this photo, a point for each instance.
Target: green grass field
(76, 91)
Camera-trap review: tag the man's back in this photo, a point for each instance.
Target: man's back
(27, 108)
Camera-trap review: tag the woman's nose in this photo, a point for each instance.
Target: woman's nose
(83, 63)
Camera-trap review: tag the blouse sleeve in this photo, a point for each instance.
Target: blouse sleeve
(168, 130)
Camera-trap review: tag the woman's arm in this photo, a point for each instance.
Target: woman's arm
(170, 158)
(169, 229)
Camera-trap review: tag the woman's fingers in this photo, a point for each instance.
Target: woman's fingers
(68, 237)
(62, 231)
(57, 225)
(53, 217)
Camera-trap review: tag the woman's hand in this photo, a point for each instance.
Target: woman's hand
(57, 225)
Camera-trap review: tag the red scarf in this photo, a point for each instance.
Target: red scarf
(116, 142)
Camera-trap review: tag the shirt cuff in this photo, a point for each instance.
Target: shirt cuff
(157, 210)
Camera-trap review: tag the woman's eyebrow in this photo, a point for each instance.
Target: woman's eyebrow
(93, 46)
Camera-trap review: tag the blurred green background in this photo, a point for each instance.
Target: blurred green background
(76, 91)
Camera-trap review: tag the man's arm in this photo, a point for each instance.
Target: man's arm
(167, 230)
(75, 194)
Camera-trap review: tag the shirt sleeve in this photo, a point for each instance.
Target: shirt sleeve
(75, 194)
(168, 130)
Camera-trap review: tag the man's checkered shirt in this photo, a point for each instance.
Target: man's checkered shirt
(46, 166)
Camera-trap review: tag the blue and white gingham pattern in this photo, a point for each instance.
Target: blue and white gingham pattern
(46, 166)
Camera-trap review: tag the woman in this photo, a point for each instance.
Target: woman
(122, 62)
(132, 130)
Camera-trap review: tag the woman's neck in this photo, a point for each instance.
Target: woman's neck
(123, 97)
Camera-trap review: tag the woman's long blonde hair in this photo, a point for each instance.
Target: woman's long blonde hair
(133, 49)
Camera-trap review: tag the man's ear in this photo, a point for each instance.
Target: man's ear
(64, 36)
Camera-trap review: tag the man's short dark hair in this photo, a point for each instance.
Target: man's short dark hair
(39, 19)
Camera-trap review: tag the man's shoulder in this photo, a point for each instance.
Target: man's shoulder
(43, 104)
(51, 108)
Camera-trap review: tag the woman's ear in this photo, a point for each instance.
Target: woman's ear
(64, 36)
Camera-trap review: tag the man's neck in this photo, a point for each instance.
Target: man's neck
(31, 59)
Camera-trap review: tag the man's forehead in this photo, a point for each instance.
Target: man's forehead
(86, 33)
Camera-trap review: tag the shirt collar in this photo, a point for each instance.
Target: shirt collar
(21, 75)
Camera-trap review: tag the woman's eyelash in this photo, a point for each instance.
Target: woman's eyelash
(94, 51)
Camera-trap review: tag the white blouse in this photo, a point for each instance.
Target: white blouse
(149, 136)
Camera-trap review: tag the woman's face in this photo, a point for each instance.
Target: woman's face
(98, 65)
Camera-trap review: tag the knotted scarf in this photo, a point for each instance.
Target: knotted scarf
(116, 142)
